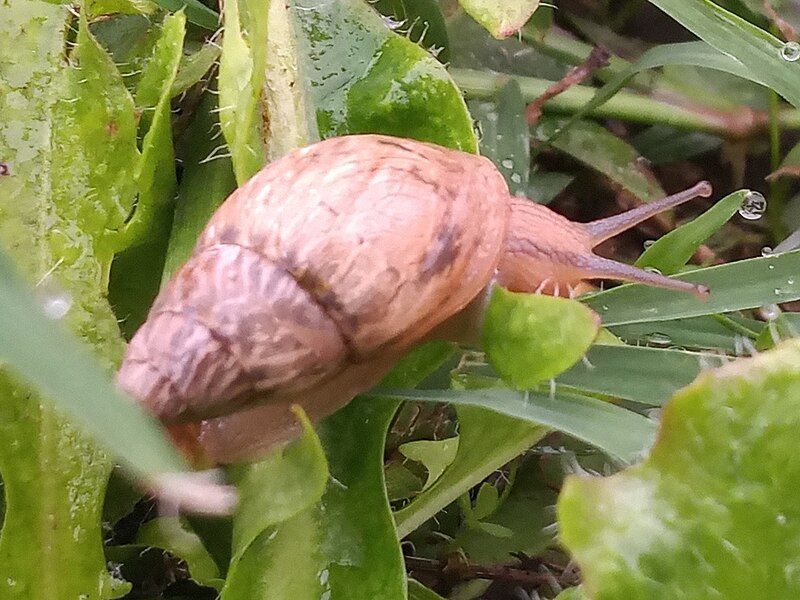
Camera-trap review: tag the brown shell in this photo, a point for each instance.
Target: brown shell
(349, 249)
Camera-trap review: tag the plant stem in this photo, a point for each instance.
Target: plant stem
(626, 106)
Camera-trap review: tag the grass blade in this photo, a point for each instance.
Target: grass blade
(734, 286)
(615, 430)
(671, 252)
(758, 50)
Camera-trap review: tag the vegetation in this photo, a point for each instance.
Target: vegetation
(540, 463)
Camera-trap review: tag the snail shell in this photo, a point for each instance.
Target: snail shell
(316, 274)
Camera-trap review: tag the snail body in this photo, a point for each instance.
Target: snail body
(322, 270)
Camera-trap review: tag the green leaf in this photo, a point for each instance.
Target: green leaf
(173, 535)
(770, 279)
(757, 50)
(197, 12)
(662, 145)
(435, 455)
(273, 529)
(388, 85)
(501, 19)
(615, 430)
(703, 333)
(505, 136)
(486, 442)
(596, 147)
(544, 186)
(136, 272)
(194, 67)
(50, 359)
(659, 373)
(712, 512)
(422, 21)
(417, 591)
(67, 129)
(530, 338)
(526, 513)
(204, 185)
(670, 253)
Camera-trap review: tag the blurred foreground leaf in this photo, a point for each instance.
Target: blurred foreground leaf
(712, 512)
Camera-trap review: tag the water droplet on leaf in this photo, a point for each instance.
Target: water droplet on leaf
(766, 251)
(648, 243)
(790, 51)
(508, 163)
(753, 206)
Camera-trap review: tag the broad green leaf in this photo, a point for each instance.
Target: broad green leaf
(756, 49)
(670, 253)
(501, 19)
(615, 430)
(417, 591)
(712, 512)
(136, 272)
(769, 279)
(435, 455)
(505, 136)
(173, 535)
(389, 86)
(596, 147)
(486, 442)
(273, 530)
(529, 338)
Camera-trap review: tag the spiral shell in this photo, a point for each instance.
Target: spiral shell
(322, 268)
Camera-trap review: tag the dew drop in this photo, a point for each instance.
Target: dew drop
(766, 251)
(652, 270)
(55, 302)
(771, 312)
(507, 163)
(771, 267)
(659, 340)
(790, 51)
(648, 243)
(781, 519)
(753, 206)
(516, 178)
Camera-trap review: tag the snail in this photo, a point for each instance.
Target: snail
(327, 266)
